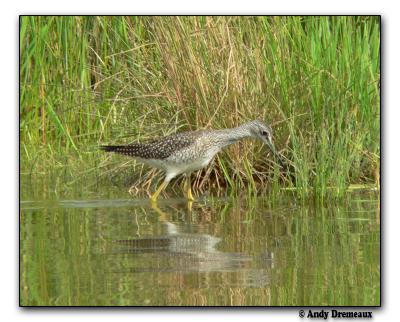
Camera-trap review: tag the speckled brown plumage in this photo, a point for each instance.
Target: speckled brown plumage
(159, 149)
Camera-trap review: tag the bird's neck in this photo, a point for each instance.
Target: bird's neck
(230, 136)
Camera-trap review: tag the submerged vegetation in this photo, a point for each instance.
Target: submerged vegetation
(86, 81)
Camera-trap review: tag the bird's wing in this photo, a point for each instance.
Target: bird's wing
(160, 148)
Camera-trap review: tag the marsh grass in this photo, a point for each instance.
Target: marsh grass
(86, 81)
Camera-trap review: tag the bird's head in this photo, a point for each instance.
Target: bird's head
(262, 131)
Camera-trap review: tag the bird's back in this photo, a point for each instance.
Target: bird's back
(158, 149)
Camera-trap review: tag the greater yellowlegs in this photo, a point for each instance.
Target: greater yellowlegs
(186, 152)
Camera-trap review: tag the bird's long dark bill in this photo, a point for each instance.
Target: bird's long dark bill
(272, 148)
(275, 153)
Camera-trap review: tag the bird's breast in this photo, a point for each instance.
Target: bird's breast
(192, 158)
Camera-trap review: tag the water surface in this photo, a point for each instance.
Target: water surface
(218, 252)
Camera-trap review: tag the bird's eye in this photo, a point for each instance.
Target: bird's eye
(264, 133)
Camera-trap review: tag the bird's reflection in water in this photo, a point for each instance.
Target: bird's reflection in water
(180, 251)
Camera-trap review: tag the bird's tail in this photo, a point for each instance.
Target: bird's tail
(110, 148)
(130, 150)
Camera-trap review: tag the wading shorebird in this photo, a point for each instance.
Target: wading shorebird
(186, 152)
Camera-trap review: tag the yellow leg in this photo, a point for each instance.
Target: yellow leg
(189, 205)
(189, 188)
(161, 213)
(162, 186)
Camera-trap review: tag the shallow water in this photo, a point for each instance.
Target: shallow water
(241, 252)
